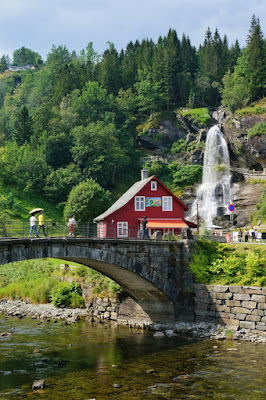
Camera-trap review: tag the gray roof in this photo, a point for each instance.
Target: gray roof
(124, 199)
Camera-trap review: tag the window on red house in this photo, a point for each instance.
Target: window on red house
(167, 203)
(140, 203)
(153, 185)
(122, 229)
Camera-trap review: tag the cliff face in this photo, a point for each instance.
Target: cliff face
(247, 154)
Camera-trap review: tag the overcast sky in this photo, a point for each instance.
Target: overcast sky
(38, 24)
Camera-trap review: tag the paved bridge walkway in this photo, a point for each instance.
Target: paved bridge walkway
(155, 274)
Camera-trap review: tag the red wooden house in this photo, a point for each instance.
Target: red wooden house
(148, 197)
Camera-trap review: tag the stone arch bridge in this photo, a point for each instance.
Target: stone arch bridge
(155, 274)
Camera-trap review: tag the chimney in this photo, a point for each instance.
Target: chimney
(144, 174)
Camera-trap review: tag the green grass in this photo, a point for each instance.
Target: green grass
(23, 203)
(256, 109)
(198, 115)
(39, 281)
(258, 129)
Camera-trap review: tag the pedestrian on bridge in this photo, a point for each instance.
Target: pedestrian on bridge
(41, 223)
(33, 226)
(145, 230)
(71, 225)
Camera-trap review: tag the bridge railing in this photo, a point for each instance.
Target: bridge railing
(22, 229)
(17, 229)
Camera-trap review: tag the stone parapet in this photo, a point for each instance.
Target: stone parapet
(242, 307)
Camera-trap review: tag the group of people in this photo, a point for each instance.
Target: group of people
(251, 234)
(33, 225)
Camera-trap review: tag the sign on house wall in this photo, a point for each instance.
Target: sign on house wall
(153, 202)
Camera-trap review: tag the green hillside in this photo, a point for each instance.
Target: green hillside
(73, 126)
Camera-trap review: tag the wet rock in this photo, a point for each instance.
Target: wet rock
(158, 334)
(117, 385)
(39, 384)
(44, 361)
(169, 332)
(181, 377)
(150, 371)
(5, 334)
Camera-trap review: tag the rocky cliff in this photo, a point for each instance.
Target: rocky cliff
(247, 154)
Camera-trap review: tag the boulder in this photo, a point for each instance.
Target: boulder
(39, 384)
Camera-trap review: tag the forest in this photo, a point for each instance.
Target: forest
(68, 124)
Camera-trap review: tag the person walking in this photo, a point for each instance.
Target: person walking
(240, 235)
(246, 235)
(251, 233)
(145, 230)
(71, 225)
(33, 226)
(41, 223)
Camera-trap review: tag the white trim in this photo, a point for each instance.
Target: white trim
(153, 186)
(167, 203)
(122, 229)
(140, 203)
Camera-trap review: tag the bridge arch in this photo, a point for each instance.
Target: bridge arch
(152, 273)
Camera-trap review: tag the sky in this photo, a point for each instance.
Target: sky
(40, 24)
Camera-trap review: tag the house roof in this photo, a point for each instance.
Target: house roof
(124, 199)
(129, 194)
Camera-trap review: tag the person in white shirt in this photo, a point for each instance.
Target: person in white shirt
(251, 234)
(33, 226)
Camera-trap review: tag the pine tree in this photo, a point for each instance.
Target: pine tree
(172, 70)
(109, 71)
(256, 57)
(128, 66)
(233, 54)
(23, 125)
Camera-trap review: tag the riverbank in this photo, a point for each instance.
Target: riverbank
(201, 330)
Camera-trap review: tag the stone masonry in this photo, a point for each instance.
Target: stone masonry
(234, 306)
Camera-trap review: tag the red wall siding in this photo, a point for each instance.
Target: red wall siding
(128, 213)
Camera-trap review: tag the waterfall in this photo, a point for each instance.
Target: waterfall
(213, 196)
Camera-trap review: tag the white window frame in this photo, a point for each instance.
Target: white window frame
(167, 203)
(140, 203)
(122, 229)
(153, 186)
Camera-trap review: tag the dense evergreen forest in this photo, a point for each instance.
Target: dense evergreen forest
(68, 126)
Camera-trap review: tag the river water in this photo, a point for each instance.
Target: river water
(97, 361)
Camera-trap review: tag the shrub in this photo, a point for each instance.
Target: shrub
(258, 129)
(224, 264)
(186, 175)
(179, 147)
(82, 271)
(68, 295)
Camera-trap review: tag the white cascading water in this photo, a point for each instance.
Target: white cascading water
(213, 196)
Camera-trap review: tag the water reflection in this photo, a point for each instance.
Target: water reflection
(86, 361)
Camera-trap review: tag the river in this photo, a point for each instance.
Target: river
(98, 361)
